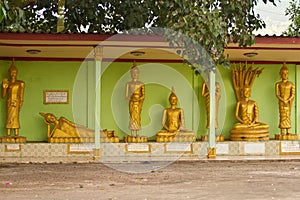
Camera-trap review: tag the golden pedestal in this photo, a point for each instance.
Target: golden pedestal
(13, 139)
(109, 136)
(219, 138)
(111, 139)
(286, 137)
(135, 139)
(246, 134)
(82, 139)
(71, 140)
(188, 136)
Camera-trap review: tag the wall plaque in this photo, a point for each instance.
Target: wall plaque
(289, 147)
(12, 148)
(222, 149)
(179, 147)
(80, 148)
(254, 148)
(138, 148)
(56, 96)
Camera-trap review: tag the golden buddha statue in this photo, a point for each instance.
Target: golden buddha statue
(285, 92)
(205, 93)
(13, 89)
(244, 75)
(173, 124)
(135, 93)
(248, 127)
(65, 131)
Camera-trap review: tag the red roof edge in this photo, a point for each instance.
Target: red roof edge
(277, 40)
(80, 37)
(123, 37)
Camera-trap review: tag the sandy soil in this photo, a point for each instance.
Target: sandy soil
(180, 180)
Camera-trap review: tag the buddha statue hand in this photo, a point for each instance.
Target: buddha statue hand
(182, 129)
(5, 83)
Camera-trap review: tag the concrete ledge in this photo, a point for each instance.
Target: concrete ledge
(151, 151)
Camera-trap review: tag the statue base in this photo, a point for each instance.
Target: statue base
(13, 139)
(286, 137)
(219, 138)
(105, 137)
(81, 139)
(135, 139)
(109, 136)
(251, 134)
(109, 139)
(188, 136)
(71, 140)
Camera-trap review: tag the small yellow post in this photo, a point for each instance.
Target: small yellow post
(212, 153)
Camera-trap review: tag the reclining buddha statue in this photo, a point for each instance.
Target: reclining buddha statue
(65, 131)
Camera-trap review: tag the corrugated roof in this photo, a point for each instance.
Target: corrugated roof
(88, 33)
(269, 48)
(274, 35)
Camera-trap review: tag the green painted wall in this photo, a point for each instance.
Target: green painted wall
(263, 92)
(39, 76)
(79, 78)
(158, 79)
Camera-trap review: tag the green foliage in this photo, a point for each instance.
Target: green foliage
(293, 11)
(212, 24)
(93, 16)
(11, 16)
(2, 13)
(198, 26)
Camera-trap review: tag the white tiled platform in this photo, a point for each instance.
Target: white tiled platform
(152, 151)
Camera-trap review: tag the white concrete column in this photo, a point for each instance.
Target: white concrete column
(212, 113)
(98, 53)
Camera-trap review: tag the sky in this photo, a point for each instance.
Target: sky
(274, 17)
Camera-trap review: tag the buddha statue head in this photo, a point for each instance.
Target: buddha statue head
(135, 72)
(246, 92)
(13, 71)
(284, 72)
(173, 98)
(49, 118)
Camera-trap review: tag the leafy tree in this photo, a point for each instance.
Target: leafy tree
(212, 24)
(293, 11)
(12, 15)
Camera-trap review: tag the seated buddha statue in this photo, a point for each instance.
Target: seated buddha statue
(248, 127)
(173, 124)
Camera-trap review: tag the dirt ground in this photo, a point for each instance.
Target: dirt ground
(180, 180)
